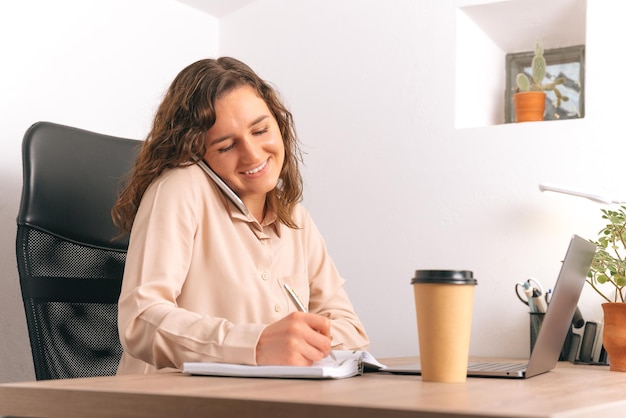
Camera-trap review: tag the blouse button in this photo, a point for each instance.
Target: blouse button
(277, 308)
(264, 276)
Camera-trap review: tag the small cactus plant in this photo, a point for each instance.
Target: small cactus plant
(538, 68)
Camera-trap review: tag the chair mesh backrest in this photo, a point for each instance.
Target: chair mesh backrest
(69, 276)
(70, 338)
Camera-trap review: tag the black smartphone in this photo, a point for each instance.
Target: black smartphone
(224, 187)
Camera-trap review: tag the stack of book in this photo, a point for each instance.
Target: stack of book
(584, 345)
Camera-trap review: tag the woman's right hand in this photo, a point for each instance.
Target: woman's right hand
(299, 339)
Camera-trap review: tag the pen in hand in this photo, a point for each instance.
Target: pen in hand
(296, 300)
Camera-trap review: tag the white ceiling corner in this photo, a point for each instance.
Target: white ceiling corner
(217, 8)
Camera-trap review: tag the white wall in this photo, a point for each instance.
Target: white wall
(392, 184)
(395, 187)
(97, 65)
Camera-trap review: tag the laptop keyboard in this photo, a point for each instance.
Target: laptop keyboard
(496, 367)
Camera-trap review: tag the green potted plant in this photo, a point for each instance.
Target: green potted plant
(530, 98)
(607, 276)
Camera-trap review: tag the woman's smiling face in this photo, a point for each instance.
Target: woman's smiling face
(245, 147)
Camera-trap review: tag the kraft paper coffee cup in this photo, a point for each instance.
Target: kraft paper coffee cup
(444, 301)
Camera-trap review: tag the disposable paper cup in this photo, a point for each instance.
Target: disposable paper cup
(444, 300)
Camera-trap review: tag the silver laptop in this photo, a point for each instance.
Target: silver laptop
(556, 322)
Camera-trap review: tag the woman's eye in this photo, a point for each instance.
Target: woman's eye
(226, 149)
(260, 132)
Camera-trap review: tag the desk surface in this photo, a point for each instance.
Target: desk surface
(567, 391)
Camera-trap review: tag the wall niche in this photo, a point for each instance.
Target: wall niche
(487, 31)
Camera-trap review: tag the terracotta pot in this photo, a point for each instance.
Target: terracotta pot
(529, 106)
(614, 335)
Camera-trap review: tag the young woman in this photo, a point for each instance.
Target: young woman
(205, 281)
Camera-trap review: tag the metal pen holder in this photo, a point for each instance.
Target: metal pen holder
(536, 319)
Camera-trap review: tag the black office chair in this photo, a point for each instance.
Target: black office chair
(69, 258)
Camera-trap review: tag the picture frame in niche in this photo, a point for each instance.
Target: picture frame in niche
(568, 62)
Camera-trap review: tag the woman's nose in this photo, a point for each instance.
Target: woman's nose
(250, 150)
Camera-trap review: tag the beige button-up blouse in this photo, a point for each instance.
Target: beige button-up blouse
(202, 280)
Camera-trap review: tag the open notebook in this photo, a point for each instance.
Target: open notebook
(347, 363)
(555, 325)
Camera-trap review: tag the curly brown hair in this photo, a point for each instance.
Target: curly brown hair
(178, 135)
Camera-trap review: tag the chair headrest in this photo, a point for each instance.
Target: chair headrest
(72, 178)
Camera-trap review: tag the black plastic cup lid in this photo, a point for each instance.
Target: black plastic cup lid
(444, 277)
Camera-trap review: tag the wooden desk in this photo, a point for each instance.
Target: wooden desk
(567, 391)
